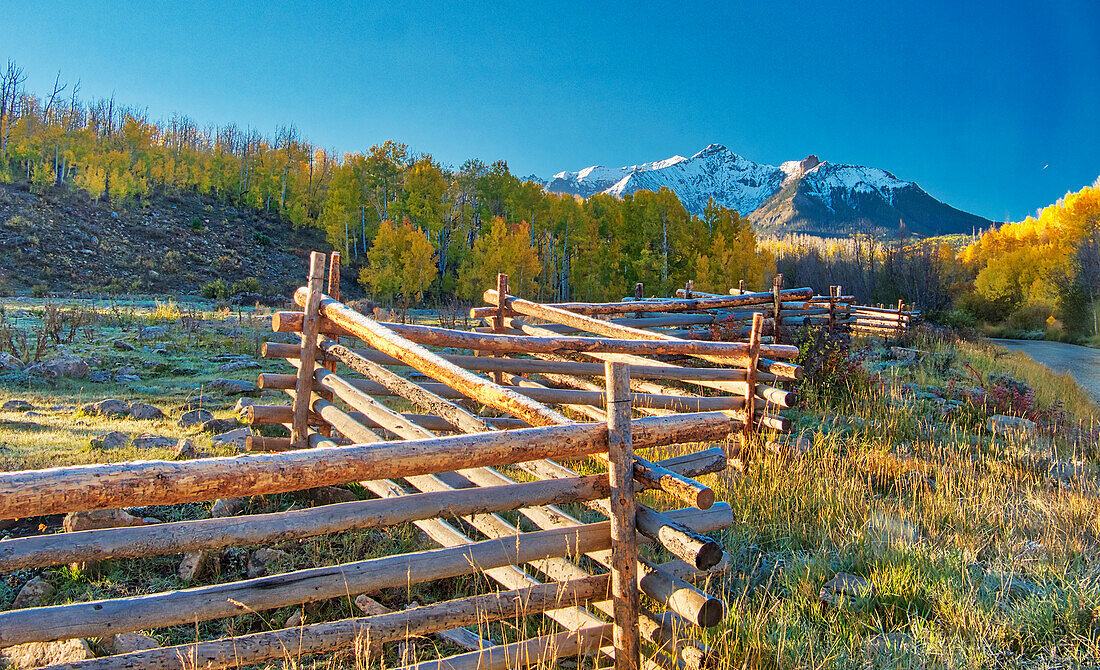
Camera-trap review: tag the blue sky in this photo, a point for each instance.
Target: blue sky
(992, 107)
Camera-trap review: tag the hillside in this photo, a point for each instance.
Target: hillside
(67, 243)
(808, 196)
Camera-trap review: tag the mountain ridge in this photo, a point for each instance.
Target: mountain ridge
(804, 196)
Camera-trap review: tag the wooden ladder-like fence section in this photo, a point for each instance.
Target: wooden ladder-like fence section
(438, 467)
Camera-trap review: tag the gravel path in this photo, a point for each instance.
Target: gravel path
(1082, 363)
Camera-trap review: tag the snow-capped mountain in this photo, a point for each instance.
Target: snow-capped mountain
(809, 196)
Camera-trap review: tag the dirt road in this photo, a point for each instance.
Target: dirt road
(1082, 363)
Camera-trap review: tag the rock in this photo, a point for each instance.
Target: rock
(330, 495)
(370, 606)
(242, 404)
(231, 386)
(111, 440)
(99, 518)
(124, 643)
(263, 561)
(237, 438)
(34, 593)
(151, 333)
(38, 654)
(199, 402)
(185, 448)
(122, 345)
(126, 370)
(195, 417)
(906, 355)
(228, 506)
(127, 379)
(294, 620)
(1065, 471)
(151, 441)
(99, 376)
(69, 367)
(219, 425)
(845, 586)
(1004, 425)
(887, 529)
(239, 365)
(111, 407)
(10, 363)
(16, 406)
(145, 412)
(1016, 588)
(195, 564)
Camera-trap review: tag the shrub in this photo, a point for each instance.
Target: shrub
(196, 224)
(173, 260)
(247, 285)
(262, 239)
(40, 291)
(215, 290)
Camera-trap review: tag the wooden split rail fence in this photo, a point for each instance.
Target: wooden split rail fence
(428, 432)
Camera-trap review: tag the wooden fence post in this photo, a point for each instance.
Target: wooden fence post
(639, 293)
(624, 541)
(502, 314)
(901, 327)
(334, 293)
(834, 291)
(303, 388)
(689, 288)
(777, 299)
(750, 375)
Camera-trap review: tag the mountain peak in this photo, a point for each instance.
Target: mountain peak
(808, 195)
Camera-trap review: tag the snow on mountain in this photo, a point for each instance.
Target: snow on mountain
(809, 194)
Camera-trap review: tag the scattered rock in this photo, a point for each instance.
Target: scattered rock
(10, 363)
(239, 365)
(21, 425)
(330, 495)
(38, 654)
(99, 376)
(294, 620)
(370, 606)
(34, 593)
(99, 518)
(845, 586)
(195, 564)
(219, 425)
(195, 417)
(151, 441)
(124, 643)
(1004, 425)
(126, 370)
(111, 440)
(231, 386)
(237, 438)
(151, 333)
(1016, 588)
(263, 561)
(122, 345)
(146, 412)
(904, 355)
(127, 379)
(228, 506)
(198, 402)
(69, 367)
(242, 404)
(185, 448)
(16, 406)
(111, 407)
(1065, 471)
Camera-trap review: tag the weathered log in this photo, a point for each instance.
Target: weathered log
(102, 486)
(624, 541)
(657, 305)
(540, 650)
(185, 536)
(310, 325)
(369, 631)
(108, 617)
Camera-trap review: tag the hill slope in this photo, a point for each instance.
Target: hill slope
(807, 196)
(169, 244)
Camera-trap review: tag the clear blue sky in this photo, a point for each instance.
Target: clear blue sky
(993, 107)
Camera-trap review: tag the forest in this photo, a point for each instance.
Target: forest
(416, 231)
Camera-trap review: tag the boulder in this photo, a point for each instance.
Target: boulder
(126, 370)
(1065, 471)
(124, 643)
(999, 424)
(228, 506)
(195, 417)
(239, 365)
(294, 620)
(263, 561)
(10, 363)
(845, 587)
(122, 345)
(127, 379)
(237, 438)
(195, 564)
(370, 606)
(219, 425)
(231, 386)
(68, 367)
(34, 593)
(99, 376)
(151, 333)
(111, 407)
(99, 518)
(38, 654)
(185, 449)
(330, 495)
(111, 440)
(242, 404)
(151, 441)
(145, 412)
(16, 406)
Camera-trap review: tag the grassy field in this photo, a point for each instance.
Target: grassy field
(978, 550)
